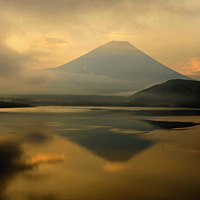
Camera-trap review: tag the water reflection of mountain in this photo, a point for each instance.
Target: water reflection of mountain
(112, 135)
(109, 145)
(117, 143)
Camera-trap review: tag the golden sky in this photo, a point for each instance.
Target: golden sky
(38, 34)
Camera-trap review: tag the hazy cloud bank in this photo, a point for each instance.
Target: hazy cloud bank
(42, 34)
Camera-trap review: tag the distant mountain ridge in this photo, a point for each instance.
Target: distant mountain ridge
(173, 93)
(114, 67)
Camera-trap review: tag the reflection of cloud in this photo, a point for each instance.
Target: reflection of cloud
(46, 158)
(82, 128)
(10, 157)
(125, 131)
(42, 197)
(191, 150)
(54, 124)
(37, 137)
(113, 167)
(11, 163)
(50, 42)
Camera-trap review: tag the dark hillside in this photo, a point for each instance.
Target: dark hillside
(173, 93)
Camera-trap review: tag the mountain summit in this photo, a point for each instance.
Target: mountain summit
(116, 47)
(115, 67)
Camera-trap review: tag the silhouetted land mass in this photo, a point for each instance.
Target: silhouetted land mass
(69, 100)
(170, 125)
(173, 93)
(161, 112)
(4, 104)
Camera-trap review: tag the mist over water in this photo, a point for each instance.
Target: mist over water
(60, 153)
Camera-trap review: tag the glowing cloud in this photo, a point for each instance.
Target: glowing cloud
(50, 42)
(125, 131)
(18, 43)
(113, 167)
(46, 158)
(193, 66)
(117, 35)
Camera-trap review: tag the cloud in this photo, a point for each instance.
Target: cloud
(50, 42)
(192, 67)
(60, 7)
(16, 77)
(44, 34)
(117, 35)
(92, 17)
(14, 74)
(89, 84)
(19, 83)
(11, 62)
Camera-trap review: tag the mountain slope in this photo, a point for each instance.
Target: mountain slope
(114, 67)
(173, 93)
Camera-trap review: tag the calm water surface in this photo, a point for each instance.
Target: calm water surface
(76, 153)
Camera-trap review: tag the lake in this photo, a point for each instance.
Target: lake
(99, 153)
